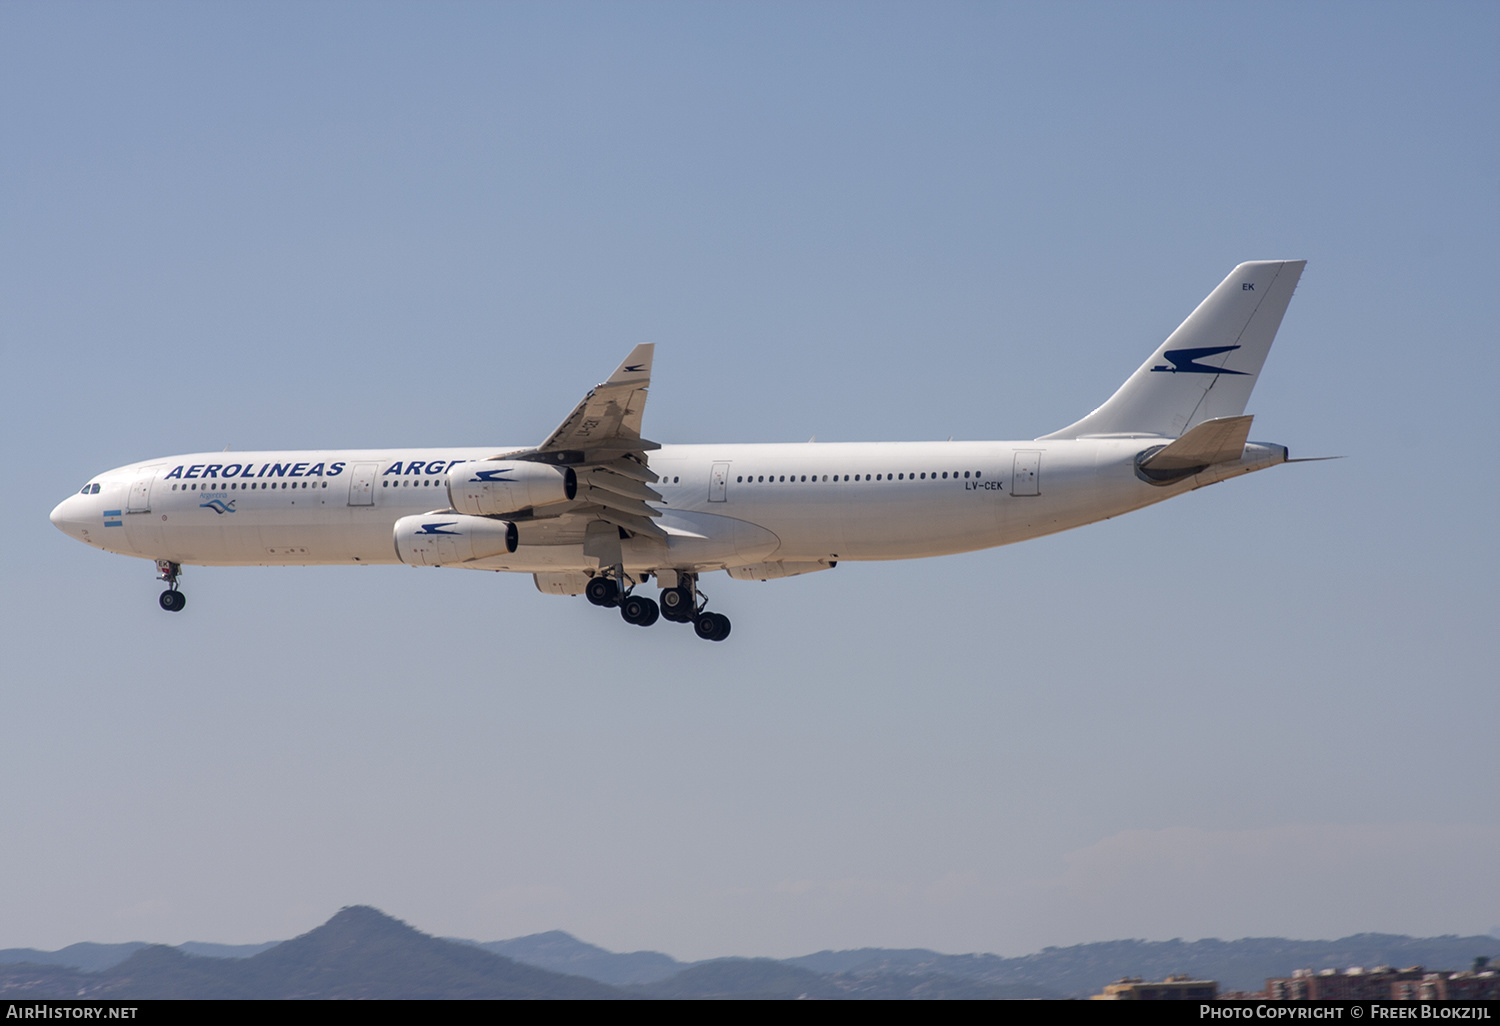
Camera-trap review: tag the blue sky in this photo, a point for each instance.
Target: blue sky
(1265, 708)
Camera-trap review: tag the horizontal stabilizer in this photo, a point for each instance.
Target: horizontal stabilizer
(1214, 441)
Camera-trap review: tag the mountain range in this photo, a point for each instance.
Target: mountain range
(364, 953)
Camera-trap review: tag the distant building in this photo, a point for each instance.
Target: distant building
(1354, 984)
(1467, 986)
(1173, 988)
(1383, 983)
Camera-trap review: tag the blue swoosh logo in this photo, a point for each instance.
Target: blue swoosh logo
(1185, 361)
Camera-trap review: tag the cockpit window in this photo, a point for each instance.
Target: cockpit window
(93, 489)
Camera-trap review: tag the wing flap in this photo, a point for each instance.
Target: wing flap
(609, 500)
(619, 485)
(631, 468)
(629, 521)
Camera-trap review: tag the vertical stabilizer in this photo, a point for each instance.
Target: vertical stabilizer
(1207, 367)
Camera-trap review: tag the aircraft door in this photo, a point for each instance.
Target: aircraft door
(362, 484)
(1026, 477)
(140, 491)
(718, 482)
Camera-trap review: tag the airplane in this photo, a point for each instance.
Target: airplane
(599, 510)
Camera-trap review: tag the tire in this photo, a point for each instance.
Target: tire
(172, 601)
(707, 626)
(653, 613)
(676, 604)
(602, 591)
(634, 610)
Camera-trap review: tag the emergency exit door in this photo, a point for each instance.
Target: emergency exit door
(718, 482)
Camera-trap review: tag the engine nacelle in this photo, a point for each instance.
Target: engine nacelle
(489, 488)
(436, 539)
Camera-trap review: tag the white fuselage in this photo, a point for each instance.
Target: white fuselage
(723, 506)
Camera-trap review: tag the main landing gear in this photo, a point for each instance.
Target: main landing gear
(685, 604)
(681, 604)
(171, 600)
(634, 609)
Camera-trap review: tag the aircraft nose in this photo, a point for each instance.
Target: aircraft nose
(68, 518)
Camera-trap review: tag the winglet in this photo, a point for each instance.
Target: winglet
(635, 369)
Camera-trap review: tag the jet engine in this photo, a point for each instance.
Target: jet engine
(435, 539)
(493, 487)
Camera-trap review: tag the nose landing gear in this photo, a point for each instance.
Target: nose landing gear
(171, 600)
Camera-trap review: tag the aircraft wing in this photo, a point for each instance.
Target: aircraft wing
(609, 417)
(601, 440)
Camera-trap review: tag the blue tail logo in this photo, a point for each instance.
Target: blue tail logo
(490, 476)
(436, 528)
(1185, 361)
(218, 506)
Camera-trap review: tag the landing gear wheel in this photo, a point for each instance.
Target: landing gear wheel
(639, 610)
(677, 604)
(712, 626)
(602, 591)
(172, 601)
